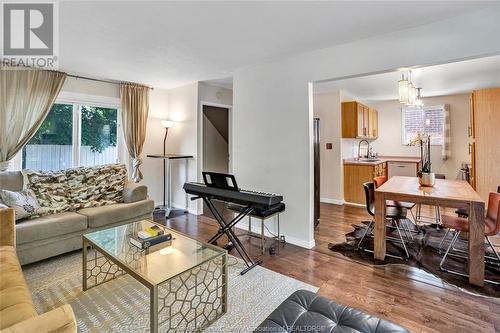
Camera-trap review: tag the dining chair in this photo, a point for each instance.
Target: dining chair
(464, 212)
(379, 181)
(460, 224)
(395, 214)
(437, 210)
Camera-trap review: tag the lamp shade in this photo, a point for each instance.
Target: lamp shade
(167, 123)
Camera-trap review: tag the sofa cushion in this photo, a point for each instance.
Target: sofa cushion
(15, 298)
(51, 190)
(305, 311)
(50, 226)
(24, 203)
(101, 216)
(11, 180)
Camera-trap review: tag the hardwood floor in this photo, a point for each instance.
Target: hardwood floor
(402, 294)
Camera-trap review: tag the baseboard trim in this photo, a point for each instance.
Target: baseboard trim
(354, 204)
(339, 202)
(256, 228)
(191, 210)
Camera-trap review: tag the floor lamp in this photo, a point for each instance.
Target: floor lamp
(166, 124)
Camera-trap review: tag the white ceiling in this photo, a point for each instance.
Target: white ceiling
(446, 79)
(166, 44)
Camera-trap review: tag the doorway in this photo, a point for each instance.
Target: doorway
(215, 145)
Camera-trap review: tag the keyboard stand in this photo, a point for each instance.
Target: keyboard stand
(226, 228)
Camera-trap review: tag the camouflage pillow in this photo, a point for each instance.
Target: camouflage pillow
(96, 186)
(51, 190)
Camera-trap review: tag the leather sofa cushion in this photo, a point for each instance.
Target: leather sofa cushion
(104, 215)
(49, 226)
(15, 299)
(305, 311)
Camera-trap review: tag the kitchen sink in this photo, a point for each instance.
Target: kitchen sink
(369, 159)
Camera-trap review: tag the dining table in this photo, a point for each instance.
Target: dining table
(444, 193)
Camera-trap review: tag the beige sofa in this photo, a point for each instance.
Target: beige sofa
(17, 312)
(51, 235)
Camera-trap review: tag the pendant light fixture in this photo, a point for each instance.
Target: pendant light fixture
(418, 101)
(403, 89)
(409, 95)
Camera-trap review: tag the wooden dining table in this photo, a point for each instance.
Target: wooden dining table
(444, 193)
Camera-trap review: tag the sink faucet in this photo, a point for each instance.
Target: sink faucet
(359, 148)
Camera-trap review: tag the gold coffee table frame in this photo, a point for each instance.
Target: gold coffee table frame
(187, 280)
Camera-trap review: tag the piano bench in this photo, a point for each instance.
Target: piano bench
(262, 215)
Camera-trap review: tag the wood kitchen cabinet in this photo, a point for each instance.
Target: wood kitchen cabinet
(357, 174)
(359, 121)
(484, 148)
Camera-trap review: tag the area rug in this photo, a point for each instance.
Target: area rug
(423, 254)
(122, 304)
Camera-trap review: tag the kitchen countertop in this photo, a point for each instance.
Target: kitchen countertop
(383, 159)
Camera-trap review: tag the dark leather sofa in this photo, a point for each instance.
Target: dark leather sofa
(305, 311)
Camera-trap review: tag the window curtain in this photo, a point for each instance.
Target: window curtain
(134, 110)
(446, 147)
(26, 97)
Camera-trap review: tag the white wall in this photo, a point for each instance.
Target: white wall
(183, 139)
(272, 113)
(214, 94)
(90, 87)
(389, 142)
(327, 108)
(181, 105)
(151, 168)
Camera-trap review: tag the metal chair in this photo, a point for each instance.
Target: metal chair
(463, 212)
(395, 214)
(379, 181)
(437, 211)
(460, 224)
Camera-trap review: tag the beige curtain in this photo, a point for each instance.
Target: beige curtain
(135, 109)
(26, 97)
(446, 147)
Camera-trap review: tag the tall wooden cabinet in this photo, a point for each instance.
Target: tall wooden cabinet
(484, 133)
(359, 121)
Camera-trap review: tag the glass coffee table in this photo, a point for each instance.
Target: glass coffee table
(187, 279)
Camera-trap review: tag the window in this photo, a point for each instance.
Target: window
(71, 135)
(426, 120)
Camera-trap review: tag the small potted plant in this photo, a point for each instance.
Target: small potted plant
(425, 176)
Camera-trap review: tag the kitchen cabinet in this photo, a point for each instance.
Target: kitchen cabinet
(373, 123)
(359, 121)
(484, 149)
(354, 177)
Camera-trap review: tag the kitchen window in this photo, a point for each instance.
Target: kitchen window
(74, 134)
(425, 120)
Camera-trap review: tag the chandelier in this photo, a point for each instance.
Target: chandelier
(409, 94)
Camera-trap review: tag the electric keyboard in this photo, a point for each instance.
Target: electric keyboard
(223, 187)
(239, 196)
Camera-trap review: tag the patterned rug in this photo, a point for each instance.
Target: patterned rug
(424, 254)
(122, 304)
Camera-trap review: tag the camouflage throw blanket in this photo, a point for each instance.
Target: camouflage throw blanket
(73, 189)
(51, 191)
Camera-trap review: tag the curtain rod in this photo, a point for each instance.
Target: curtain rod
(99, 80)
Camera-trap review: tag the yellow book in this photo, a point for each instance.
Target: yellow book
(152, 232)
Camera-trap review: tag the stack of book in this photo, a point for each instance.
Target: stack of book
(149, 237)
